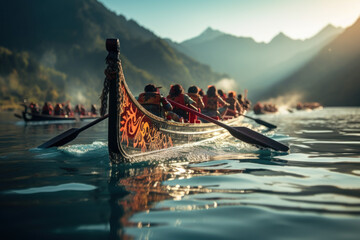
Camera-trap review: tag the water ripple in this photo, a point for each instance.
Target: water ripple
(57, 188)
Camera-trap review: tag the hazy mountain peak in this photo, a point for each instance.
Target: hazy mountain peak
(281, 38)
(208, 34)
(211, 32)
(327, 34)
(330, 29)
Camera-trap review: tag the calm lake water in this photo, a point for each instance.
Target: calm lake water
(219, 190)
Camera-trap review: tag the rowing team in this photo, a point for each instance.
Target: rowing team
(62, 109)
(214, 104)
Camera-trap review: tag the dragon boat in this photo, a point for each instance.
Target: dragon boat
(132, 130)
(35, 117)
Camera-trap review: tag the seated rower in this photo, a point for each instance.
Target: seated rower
(34, 108)
(258, 108)
(235, 107)
(177, 94)
(93, 109)
(212, 103)
(67, 109)
(153, 101)
(201, 93)
(58, 110)
(77, 109)
(245, 104)
(193, 92)
(80, 110)
(222, 95)
(47, 109)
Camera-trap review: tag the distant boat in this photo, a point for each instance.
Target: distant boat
(265, 108)
(309, 106)
(35, 117)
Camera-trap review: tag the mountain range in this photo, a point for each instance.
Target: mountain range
(331, 77)
(253, 65)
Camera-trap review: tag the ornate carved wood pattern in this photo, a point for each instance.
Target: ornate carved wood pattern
(138, 129)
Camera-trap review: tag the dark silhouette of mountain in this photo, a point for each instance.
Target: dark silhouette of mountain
(69, 36)
(332, 77)
(254, 65)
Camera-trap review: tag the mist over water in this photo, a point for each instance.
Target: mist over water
(220, 189)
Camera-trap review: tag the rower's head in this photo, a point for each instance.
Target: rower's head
(232, 94)
(201, 92)
(220, 92)
(150, 88)
(193, 89)
(176, 90)
(211, 92)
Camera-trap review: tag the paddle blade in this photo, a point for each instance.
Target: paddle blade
(18, 115)
(249, 136)
(266, 124)
(61, 139)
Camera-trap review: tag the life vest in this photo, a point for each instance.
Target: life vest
(179, 99)
(45, 110)
(211, 103)
(233, 104)
(149, 98)
(196, 97)
(221, 104)
(57, 110)
(151, 102)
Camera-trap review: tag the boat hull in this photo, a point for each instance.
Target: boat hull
(30, 117)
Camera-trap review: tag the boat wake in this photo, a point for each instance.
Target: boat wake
(93, 150)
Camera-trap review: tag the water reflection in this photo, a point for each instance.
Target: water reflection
(141, 192)
(139, 187)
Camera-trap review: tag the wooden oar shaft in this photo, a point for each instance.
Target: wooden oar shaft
(242, 133)
(69, 135)
(203, 116)
(93, 122)
(257, 120)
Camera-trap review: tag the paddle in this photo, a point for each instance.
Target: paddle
(69, 135)
(18, 115)
(244, 134)
(261, 122)
(257, 120)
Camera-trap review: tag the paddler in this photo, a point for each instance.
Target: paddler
(153, 101)
(177, 94)
(212, 103)
(58, 110)
(47, 109)
(235, 106)
(193, 92)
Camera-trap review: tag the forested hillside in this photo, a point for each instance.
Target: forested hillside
(22, 77)
(68, 38)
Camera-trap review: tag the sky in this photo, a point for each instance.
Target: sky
(180, 20)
